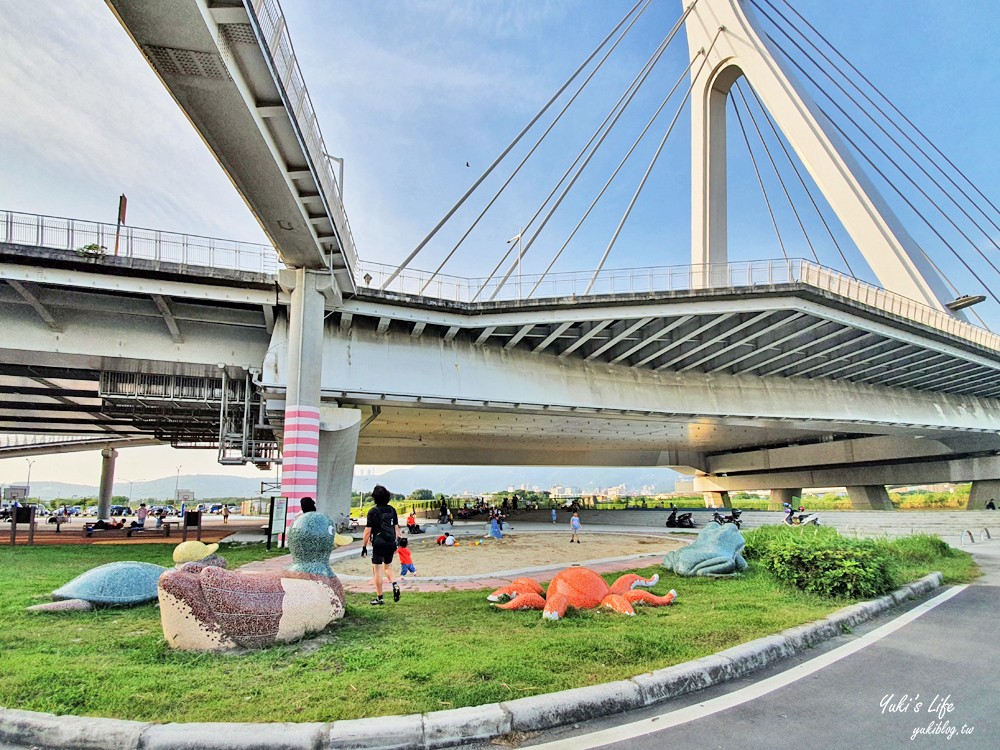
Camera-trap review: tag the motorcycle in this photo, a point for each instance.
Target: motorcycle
(803, 519)
(733, 518)
(682, 521)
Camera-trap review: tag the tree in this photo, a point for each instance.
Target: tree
(421, 495)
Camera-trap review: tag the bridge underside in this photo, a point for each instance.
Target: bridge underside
(770, 386)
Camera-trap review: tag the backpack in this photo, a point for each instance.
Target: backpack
(386, 529)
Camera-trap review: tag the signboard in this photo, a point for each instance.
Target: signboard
(278, 513)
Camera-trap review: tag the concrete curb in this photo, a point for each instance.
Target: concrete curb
(456, 726)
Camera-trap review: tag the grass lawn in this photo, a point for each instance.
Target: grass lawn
(431, 651)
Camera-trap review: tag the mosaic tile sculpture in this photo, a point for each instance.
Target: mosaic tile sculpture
(716, 552)
(580, 588)
(122, 584)
(220, 610)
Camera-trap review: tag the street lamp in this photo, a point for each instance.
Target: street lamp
(177, 483)
(130, 483)
(27, 490)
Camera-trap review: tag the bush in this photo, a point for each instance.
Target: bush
(821, 561)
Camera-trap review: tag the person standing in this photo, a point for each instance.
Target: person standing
(574, 528)
(141, 515)
(553, 515)
(225, 514)
(383, 532)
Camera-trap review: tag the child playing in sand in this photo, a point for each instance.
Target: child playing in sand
(405, 559)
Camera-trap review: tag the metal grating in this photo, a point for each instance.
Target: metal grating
(186, 62)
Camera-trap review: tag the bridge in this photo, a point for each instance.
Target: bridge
(776, 374)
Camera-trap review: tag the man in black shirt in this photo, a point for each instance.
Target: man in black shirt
(382, 530)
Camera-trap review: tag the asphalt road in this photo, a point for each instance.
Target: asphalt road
(930, 683)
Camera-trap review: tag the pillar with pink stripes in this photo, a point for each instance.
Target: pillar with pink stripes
(300, 443)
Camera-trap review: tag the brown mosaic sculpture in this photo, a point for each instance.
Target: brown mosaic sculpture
(212, 609)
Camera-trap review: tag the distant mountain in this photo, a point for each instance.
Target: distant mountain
(477, 480)
(451, 480)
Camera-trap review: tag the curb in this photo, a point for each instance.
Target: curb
(455, 726)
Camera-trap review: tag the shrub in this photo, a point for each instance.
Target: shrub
(821, 561)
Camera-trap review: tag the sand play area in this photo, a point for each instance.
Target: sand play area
(522, 550)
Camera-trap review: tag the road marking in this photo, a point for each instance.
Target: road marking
(749, 693)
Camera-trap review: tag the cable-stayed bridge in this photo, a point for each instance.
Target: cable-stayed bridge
(781, 373)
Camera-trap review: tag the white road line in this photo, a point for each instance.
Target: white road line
(749, 693)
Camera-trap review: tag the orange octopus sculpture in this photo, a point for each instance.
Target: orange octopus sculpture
(580, 588)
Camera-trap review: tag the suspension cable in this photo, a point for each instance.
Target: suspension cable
(777, 174)
(767, 201)
(594, 144)
(894, 163)
(802, 181)
(507, 150)
(882, 128)
(914, 209)
(940, 153)
(652, 163)
(538, 142)
(614, 174)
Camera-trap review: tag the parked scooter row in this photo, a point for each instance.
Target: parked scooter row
(803, 519)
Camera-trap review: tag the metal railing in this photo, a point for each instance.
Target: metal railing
(193, 250)
(675, 278)
(274, 32)
(93, 239)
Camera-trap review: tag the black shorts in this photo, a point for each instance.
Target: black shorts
(382, 553)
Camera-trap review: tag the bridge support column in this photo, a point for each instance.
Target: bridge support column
(787, 495)
(301, 442)
(983, 490)
(338, 447)
(108, 456)
(869, 497)
(717, 500)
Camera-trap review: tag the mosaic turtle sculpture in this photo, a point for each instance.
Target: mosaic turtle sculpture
(125, 583)
(580, 588)
(716, 552)
(219, 610)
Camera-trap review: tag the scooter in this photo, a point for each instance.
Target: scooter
(803, 519)
(733, 518)
(682, 521)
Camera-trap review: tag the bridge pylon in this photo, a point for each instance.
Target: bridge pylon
(731, 37)
(319, 442)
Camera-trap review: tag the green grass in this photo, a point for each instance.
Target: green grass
(431, 651)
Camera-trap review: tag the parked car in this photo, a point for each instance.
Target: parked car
(120, 510)
(216, 508)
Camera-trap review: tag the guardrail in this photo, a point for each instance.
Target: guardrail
(94, 239)
(674, 278)
(153, 244)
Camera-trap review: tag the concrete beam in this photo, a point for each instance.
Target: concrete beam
(168, 317)
(29, 296)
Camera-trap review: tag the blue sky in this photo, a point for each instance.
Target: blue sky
(407, 93)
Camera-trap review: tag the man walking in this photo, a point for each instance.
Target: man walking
(383, 532)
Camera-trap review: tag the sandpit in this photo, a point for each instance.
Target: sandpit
(514, 551)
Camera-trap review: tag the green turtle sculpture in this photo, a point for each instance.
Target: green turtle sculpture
(124, 583)
(220, 610)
